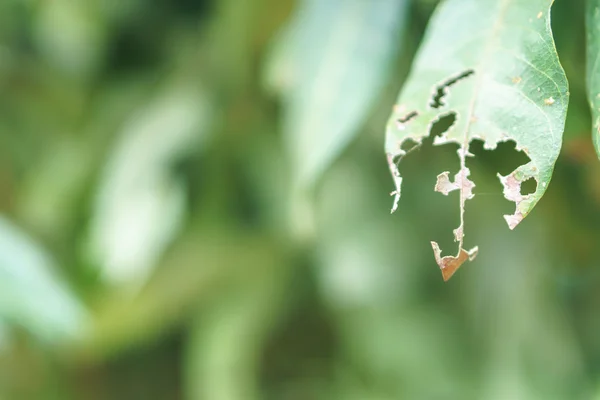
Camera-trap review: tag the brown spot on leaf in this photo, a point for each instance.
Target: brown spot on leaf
(449, 264)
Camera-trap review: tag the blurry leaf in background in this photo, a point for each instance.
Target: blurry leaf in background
(139, 207)
(329, 66)
(78, 46)
(32, 296)
(226, 339)
(49, 197)
(593, 66)
(199, 266)
(497, 78)
(360, 255)
(507, 311)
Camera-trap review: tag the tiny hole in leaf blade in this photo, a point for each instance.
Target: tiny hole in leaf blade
(408, 117)
(528, 187)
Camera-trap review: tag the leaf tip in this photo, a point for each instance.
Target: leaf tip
(450, 264)
(513, 220)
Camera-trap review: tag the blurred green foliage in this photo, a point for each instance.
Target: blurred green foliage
(155, 244)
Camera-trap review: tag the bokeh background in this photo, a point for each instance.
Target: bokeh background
(195, 205)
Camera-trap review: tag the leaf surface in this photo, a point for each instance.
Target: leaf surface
(593, 66)
(493, 66)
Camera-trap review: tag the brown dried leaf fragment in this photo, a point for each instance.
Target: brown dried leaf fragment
(461, 180)
(449, 264)
(444, 185)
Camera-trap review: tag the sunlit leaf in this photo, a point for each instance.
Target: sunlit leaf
(499, 78)
(330, 65)
(32, 296)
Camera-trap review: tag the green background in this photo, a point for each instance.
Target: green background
(153, 244)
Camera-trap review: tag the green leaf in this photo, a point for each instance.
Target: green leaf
(79, 46)
(31, 295)
(140, 205)
(593, 66)
(226, 341)
(493, 66)
(330, 65)
(202, 263)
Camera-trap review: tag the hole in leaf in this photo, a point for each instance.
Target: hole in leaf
(408, 145)
(442, 90)
(442, 125)
(407, 117)
(504, 159)
(489, 192)
(437, 215)
(528, 187)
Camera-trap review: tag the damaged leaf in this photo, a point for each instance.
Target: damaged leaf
(493, 66)
(593, 66)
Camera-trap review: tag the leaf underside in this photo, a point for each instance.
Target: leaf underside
(493, 66)
(593, 66)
